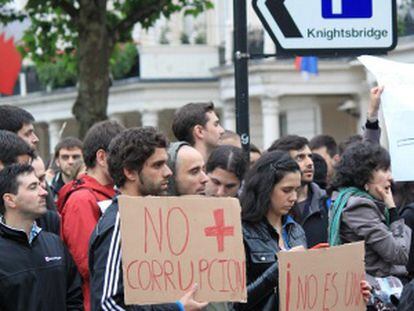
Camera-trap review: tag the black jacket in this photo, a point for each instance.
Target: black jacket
(407, 213)
(261, 245)
(315, 218)
(56, 184)
(50, 202)
(406, 300)
(37, 276)
(105, 266)
(50, 222)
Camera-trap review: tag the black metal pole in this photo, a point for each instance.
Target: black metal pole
(241, 74)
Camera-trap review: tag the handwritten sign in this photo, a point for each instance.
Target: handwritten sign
(325, 279)
(170, 243)
(398, 108)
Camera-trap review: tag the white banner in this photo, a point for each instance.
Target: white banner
(397, 102)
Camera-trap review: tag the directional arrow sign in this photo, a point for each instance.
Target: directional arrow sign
(330, 26)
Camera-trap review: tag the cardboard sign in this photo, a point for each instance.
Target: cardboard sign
(170, 243)
(325, 279)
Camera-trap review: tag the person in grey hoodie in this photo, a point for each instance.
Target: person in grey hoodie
(187, 165)
(188, 178)
(363, 209)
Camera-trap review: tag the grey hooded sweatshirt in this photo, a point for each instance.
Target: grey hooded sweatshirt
(172, 190)
(172, 164)
(386, 248)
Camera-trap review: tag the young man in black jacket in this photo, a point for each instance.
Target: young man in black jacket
(137, 162)
(37, 272)
(310, 210)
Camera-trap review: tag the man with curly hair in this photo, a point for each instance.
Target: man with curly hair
(137, 161)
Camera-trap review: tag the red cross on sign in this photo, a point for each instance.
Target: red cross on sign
(219, 230)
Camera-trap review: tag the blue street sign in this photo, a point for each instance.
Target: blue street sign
(346, 8)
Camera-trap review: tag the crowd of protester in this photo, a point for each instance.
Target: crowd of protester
(60, 225)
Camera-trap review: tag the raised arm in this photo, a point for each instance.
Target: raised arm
(372, 131)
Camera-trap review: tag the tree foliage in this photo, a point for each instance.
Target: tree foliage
(406, 18)
(123, 60)
(85, 33)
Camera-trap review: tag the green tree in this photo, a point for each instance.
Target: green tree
(86, 32)
(406, 18)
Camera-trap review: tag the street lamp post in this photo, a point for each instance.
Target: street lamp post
(241, 73)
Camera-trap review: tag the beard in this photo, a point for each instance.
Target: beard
(149, 187)
(305, 182)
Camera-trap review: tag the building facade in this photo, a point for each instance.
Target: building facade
(187, 59)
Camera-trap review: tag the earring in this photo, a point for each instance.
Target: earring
(366, 187)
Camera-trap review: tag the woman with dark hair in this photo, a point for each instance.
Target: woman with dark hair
(225, 168)
(363, 209)
(270, 191)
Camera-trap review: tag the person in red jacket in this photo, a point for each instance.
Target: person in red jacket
(82, 201)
